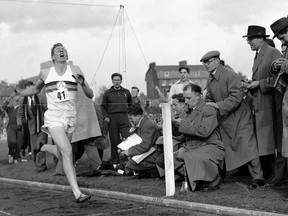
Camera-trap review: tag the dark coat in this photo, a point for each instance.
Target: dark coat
(35, 118)
(115, 101)
(148, 131)
(235, 119)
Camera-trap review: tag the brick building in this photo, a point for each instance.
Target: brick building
(164, 76)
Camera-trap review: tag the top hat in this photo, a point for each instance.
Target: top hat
(256, 31)
(279, 25)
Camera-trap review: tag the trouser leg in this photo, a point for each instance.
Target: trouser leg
(114, 138)
(267, 166)
(19, 142)
(124, 125)
(40, 158)
(101, 152)
(26, 136)
(93, 155)
(280, 167)
(53, 149)
(33, 141)
(255, 169)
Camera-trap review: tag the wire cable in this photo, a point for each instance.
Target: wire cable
(105, 49)
(59, 3)
(137, 40)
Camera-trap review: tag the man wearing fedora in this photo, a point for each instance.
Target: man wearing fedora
(266, 104)
(280, 68)
(225, 93)
(280, 30)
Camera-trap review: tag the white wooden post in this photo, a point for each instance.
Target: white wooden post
(168, 149)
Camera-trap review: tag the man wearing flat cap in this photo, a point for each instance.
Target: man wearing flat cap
(225, 93)
(280, 69)
(266, 105)
(209, 55)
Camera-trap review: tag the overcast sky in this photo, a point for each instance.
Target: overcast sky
(168, 31)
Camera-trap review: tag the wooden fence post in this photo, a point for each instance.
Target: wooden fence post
(168, 149)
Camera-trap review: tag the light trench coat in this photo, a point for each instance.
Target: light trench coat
(235, 117)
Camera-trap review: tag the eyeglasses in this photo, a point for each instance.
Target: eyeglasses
(208, 61)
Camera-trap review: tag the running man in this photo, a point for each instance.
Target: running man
(61, 82)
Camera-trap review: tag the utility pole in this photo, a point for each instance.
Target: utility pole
(122, 46)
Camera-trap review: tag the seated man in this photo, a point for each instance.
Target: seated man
(203, 150)
(147, 130)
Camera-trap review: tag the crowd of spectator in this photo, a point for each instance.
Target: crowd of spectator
(231, 124)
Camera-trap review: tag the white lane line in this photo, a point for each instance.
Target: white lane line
(5, 213)
(116, 212)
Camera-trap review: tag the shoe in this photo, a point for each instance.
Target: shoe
(83, 198)
(58, 174)
(206, 188)
(129, 173)
(241, 171)
(37, 150)
(16, 162)
(257, 183)
(30, 154)
(274, 183)
(106, 166)
(93, 173)
(179, 178)
(120, 166)
(76, 163)
(141, 176)
(10, 159)
(42, 169)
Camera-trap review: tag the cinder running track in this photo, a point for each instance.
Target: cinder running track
(21, 200)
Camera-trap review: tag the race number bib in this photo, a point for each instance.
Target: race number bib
(61, 95)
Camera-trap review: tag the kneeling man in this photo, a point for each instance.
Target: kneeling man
(203, 150)
(148, 131)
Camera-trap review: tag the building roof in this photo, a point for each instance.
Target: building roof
(196, 71)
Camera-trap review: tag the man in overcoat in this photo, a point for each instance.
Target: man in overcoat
(203, 150)
(225, 93)
(279, 69)
(266, 103)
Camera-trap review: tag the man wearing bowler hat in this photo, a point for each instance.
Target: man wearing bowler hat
(225, 93)
(266, 104)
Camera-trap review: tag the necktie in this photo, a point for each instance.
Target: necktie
(256, 54)
(32, 106)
